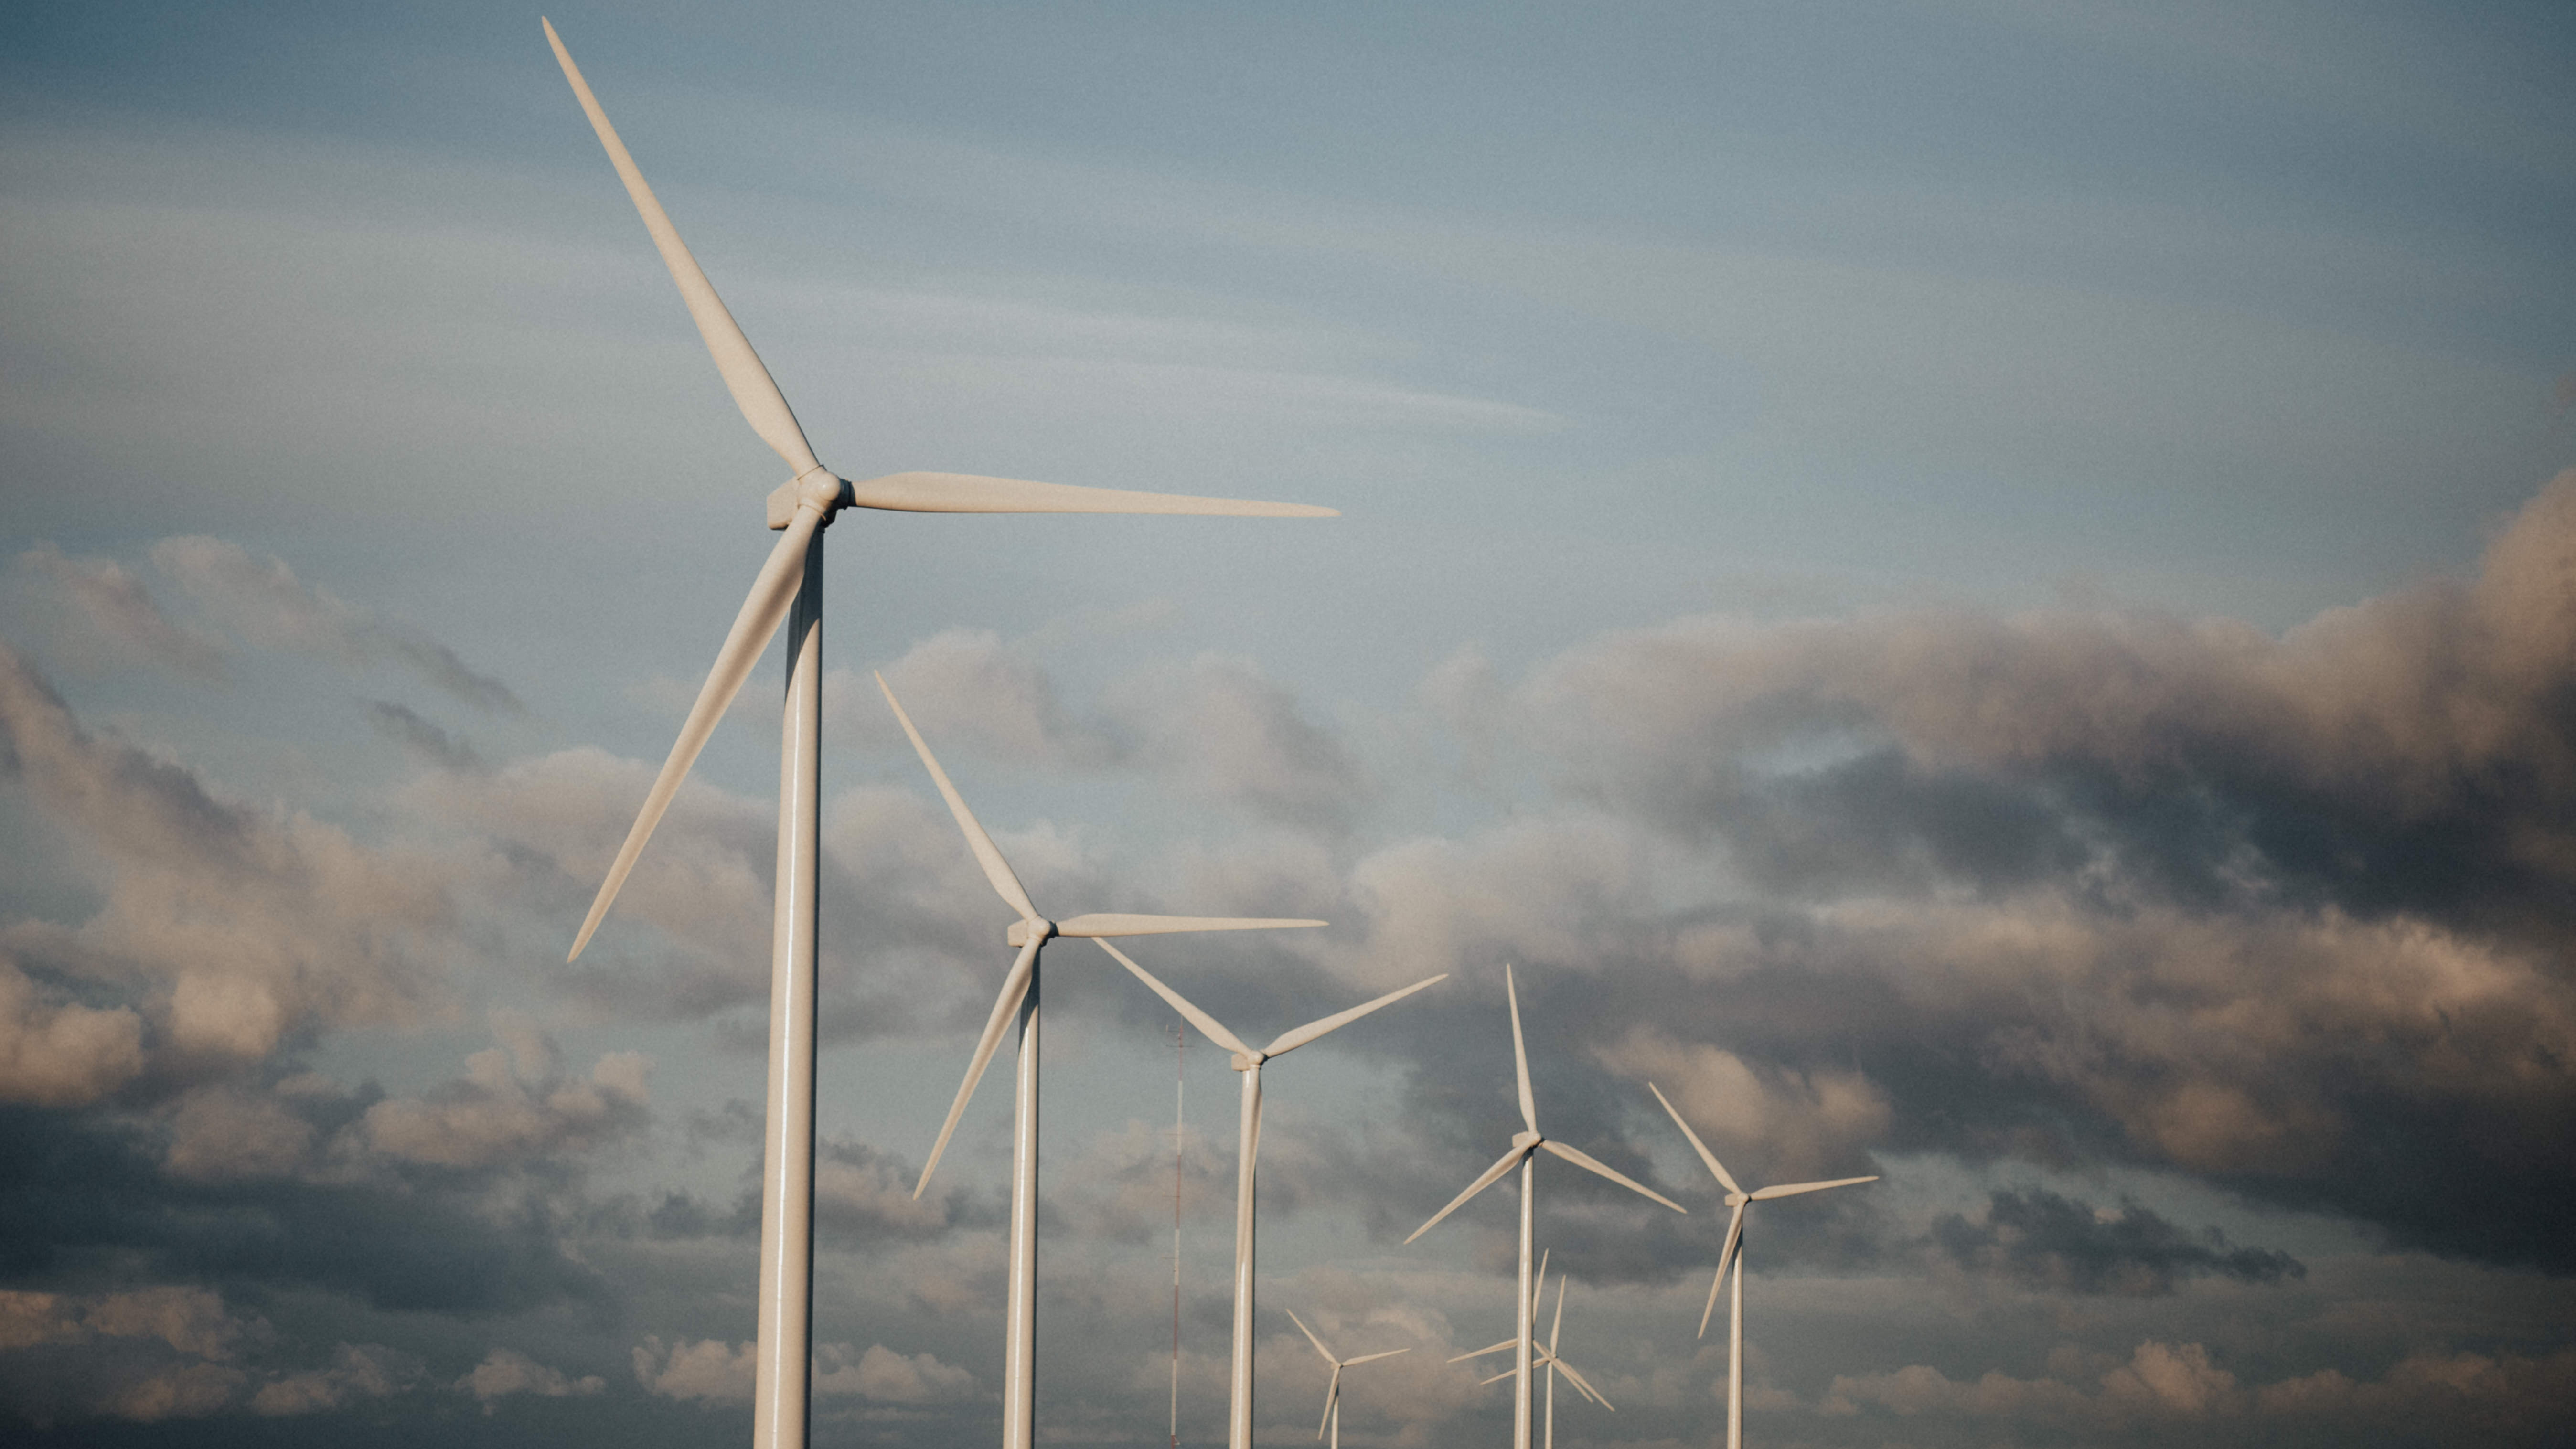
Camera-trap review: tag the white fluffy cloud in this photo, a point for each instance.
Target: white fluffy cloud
(513, 1104)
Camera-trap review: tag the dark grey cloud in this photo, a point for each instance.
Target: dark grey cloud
(2412, 755)
(2280, 912)
(2038, 1237)
(83, 1198)
(421, 738)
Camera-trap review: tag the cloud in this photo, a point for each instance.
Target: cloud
(2100, 885)
(2483, 1398)
(506, 1371)
(968, 693)
(227, 928)
(164, 1351)
(513, 1105)
(889, 1377)
(55, 1052)
(357, 1371)
(266, 604)
(2402, 755)
(1227, 733)
(2038, 1237)
(100, 612)
(706, 1370)
(1798, 1125)
(423, 740)
(863, 1195)
(714, 1372)
(224, 1133)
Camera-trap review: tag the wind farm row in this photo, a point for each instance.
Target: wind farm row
(788, 591)
(1019, 998)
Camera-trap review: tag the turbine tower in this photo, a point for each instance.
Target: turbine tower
(793, 578)
(1738, 1199)
(1247, 1152)
(1526, 1144)
(1333, 1390)
(1548, 1356)
(1020, 994)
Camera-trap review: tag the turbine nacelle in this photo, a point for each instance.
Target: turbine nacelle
(827, 492)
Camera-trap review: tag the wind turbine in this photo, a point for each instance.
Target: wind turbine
(1247, 1152)
(1333, 1390)
(793, 577)
(1526, 1144)
(1738, 1199)
(1020, 994)
(1549, 1357)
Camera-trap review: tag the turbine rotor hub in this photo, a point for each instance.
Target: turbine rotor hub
(817, 486)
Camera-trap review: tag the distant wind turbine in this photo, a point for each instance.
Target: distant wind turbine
(1247, 1153)
(1526, 1144)
(1738, 1199)
(793, 577)
(1333, 1390)
(1549, 1357)
(1020, 993)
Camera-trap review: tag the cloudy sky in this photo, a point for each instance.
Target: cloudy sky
(1983, 593)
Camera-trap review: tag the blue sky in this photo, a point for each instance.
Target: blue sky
(1979, 589)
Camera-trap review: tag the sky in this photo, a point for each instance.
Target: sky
(1983, 594)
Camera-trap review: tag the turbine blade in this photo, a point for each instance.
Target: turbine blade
(754, 391)
(1130, 925)
(1792, 1189)
(1372, 1357)
(1587, 1163)
(1520, 1053)
(1498, 1378)
(1558, 1365)
(781, 575)
(1734, 1230)
(967, 493)
(1493, 1348)
(1213, 1029)
(1311, 1338)
(1290, 1041)
(1491, 1175)
(1580, 1382)
(1557, 1326)
(1698, 1146)
(987, 854)
(1015, 985)
(1332, 1396)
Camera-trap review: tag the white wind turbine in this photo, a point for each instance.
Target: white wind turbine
(1020, 994)
(1526, 1144)
(1247, 1153)
(1738, 1199)
(1333, 1390)
(1548, 1356)
(793, 577)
